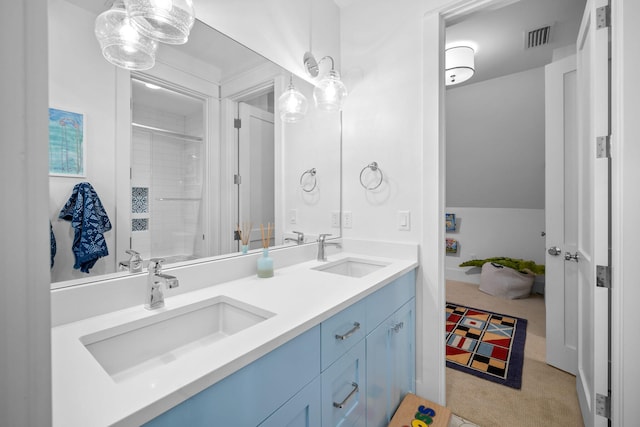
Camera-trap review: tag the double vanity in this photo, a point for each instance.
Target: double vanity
(317, 344)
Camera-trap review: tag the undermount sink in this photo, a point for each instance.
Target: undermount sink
(127, 350)
(352, 267)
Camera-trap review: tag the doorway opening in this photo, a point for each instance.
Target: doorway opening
(495, 180)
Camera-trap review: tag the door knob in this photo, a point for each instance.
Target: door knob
(554, 250)
(569, 257)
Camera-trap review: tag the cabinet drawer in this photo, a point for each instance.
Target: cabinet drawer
(254, 392)
(344, 387)
(385, 301)
(341, 332)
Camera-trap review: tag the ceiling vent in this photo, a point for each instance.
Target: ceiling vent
(538, 37)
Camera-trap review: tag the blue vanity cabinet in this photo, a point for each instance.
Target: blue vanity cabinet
(303, 410)
(252, 394)
(390, 364)
(351, 370)
(341, 332)
(343, 390)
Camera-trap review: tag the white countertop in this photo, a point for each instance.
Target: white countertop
(86, 395)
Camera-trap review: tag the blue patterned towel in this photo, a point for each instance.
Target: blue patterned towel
(52, 240)
(89, 219)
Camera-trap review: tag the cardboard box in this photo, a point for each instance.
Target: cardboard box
(417, 412)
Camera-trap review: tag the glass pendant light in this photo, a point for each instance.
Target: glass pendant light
(167, 21)
(292, 104)
(330, 93)
(121, 44)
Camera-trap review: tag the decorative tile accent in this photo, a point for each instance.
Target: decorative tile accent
(139, 200)
(139, 224)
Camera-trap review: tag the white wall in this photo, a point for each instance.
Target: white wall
(280, 30)
(494, 232)
(625, 212)
(389, 118)
(313, 142)
(495, 142)
(495, 137)
(25, 334)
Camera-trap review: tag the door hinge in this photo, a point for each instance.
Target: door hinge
(603, 17)
(603, 147)
(603, 276)
(237, 123)
(603, 405)
(237, 179)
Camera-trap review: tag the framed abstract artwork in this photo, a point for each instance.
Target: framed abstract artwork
(66, 143)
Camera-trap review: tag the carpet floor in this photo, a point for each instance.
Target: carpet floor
(548, 395)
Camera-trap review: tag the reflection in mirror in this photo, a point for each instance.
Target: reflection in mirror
(185, 153)
(168, 159)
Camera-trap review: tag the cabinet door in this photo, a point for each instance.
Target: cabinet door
(303, 410)
(403, 355)
(390, 365)
(343, 390)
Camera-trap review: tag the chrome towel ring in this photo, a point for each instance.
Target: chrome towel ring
(373, 166)
(308, 187)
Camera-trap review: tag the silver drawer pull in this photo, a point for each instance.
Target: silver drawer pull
(396, 328)
(346, 399)
(353, 330)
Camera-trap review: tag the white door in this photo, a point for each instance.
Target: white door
(593, 215)
(561, 213)
(256, 169)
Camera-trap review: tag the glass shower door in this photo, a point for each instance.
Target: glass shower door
(167, 174)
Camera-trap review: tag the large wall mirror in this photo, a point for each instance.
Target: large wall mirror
(183, 154)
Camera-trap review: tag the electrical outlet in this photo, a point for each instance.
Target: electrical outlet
(293, 216)
(404, 220)
(335, 219)
(347, 219)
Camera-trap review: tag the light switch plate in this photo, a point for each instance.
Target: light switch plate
(347, 219)
(404, 220)
(293, 216)
(335, 219)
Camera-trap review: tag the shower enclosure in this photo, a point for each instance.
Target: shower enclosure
(168, 160)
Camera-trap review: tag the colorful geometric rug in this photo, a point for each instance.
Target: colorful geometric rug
(486, 344)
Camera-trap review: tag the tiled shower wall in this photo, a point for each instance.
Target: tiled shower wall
(172, 172)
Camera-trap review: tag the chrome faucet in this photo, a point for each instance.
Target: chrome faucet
(322, 244)
(134, 265)
(299, 238)
(154, 297)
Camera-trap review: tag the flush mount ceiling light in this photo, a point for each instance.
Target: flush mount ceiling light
(459, 64)
(330, 93)
(167, 21)
(292, 104)
(121, 44)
